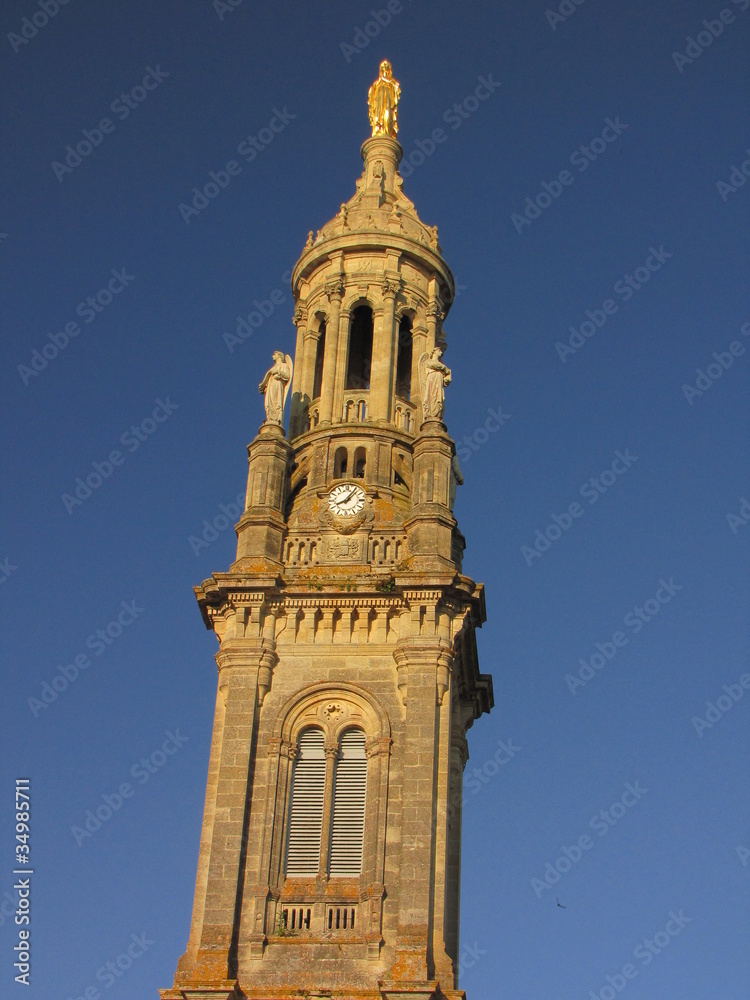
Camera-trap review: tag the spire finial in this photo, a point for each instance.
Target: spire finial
(382, 101)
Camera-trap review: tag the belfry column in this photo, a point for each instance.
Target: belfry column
(341, 334)
(419, 346)
(335, 292)
(434, 316)
(297, 400)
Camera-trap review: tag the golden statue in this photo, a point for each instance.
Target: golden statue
(382, 100)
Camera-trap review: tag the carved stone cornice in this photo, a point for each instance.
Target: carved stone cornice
(460, 747)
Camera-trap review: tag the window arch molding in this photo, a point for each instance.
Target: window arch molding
(334, 709)
(406, 312)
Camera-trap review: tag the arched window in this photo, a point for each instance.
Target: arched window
(360, 349)
(306, 810)
(307, 822)
(340, 463)
(326, 810)
(349, 795)
(319, 354)
(403, 362)
(360, 460)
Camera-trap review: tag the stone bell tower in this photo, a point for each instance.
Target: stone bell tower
(330, 853)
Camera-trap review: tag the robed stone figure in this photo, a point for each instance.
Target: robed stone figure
(275, 386)
(433, 378)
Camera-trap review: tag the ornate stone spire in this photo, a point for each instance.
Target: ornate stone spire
(375, 253)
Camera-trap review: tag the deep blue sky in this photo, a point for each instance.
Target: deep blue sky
(653, 187)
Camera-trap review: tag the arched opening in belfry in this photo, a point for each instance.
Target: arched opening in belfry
(403, 360)
(360, 461)
(340, 463)
(359, 360)
(319, 354)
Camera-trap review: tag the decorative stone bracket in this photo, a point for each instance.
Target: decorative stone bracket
(268, 660)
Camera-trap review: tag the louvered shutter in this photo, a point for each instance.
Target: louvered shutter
(349, 792)
(306, 814)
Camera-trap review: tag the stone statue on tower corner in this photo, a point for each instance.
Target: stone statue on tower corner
(433, 377)
(275, 386)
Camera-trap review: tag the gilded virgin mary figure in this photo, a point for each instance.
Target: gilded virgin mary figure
(382, 101)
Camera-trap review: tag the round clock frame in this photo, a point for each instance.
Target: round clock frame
(347, 500)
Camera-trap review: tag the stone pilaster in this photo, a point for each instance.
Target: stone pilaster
(459, 754)
(261, 528)
(211, 955)
(414, 959)
(430, 525)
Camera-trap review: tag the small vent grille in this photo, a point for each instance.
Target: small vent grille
(340, 918)
(349, 794)
(296, 918)
(308, 792)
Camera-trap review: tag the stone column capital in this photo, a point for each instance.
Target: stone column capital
(278, 747)
(334, 289)
(390, 286)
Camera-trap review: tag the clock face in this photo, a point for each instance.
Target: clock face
(346, 500)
